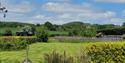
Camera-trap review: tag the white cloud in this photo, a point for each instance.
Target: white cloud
(65, 16)
(60, 13)
(124, 13)
(69, 12)
(39, 17)
(60, 0)
(65, 7)
(17, 12)
(98, 15)
(117, 21)
(68, 17)
(110, 1)
(22, 7)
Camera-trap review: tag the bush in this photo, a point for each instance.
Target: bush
(73, 33)
(107, 53)
(8, 32)
(42, 34)
(85, 32)
(13, 43)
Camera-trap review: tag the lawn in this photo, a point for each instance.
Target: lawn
(37, 51)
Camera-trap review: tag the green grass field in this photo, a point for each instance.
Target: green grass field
(14, 30)
(37, 51)
(3, 29)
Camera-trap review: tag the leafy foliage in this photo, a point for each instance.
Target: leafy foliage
(107, 53)
(49, 26)
(73, 28)
(113, 31)
(42, 34)
(29, 29)
(14, 43)
(8, 32)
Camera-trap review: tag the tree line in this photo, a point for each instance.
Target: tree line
(73, 28)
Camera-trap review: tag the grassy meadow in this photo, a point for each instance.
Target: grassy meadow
(37, 51)
(14, 30)
(3, 29)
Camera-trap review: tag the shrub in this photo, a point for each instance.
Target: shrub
(12, 44)
(42, 34)
(106, 53)
(73, 33)
(8, 32)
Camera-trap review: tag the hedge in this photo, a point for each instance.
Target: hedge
(107, 53)
(13, 43)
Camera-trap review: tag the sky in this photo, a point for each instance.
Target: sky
(64, 11)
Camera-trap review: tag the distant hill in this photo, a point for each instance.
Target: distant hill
(13, 24)
(75, 25)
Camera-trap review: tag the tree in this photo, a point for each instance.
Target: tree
(42, 34)
(49, 26)
(123, 24)
(33, 29)
(38, 25)
(88, 32)
(29, 29)
(73, 33)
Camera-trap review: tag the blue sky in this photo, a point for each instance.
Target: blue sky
(64, 11)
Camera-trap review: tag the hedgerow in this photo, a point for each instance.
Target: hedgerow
(12, 43)
(107, 53)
